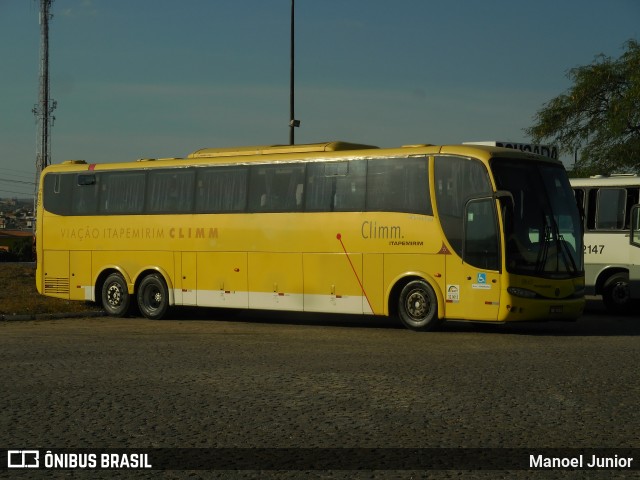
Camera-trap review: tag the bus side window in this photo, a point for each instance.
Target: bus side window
(276, 188)
(592, 197)
(635, 226)
(221, 189)
(632, 199)
(321, 185)
(85, 195)
(57, 193)
(610, 214)
(122, 193)
(579, 194)
(350, 189)
(398, 185)
(457, 181)
(170, 190)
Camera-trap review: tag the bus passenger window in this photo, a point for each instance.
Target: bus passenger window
(350, 189)
(611, 208)
(579, 195)
(590, 210)
(274, 188)
(221, 189)
(85, 195)
(170, 191)
(398, 185)
(122, 193)
(57, 190)
(321, 185)
(632, 199)
(635, 226)
(457, 181)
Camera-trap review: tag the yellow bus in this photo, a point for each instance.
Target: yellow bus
(422, 232)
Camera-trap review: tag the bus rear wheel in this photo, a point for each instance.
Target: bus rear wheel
(115, 296)
(616, 294)
(153, 297)
(418, 306)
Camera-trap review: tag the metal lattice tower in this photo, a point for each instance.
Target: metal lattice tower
(43, 110)
(293, 123)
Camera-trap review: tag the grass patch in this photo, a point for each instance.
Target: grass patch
(18, 294)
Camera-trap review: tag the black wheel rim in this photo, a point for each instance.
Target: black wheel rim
(620, 293)
(153, 297)
(417, 305)
(114, 295)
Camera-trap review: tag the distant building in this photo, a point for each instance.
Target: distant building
(16, 214)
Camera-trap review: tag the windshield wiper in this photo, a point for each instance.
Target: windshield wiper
(551, 231)
(562, 247)
(566, 253)
(543, 253)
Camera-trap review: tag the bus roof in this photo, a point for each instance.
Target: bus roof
(313, 151)
(619, 180)
(271, 149)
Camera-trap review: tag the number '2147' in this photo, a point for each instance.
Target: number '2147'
(597, 249)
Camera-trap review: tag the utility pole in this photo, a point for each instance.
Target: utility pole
(44, 108)
(293, 123)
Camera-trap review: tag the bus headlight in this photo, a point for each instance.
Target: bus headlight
(521, 292)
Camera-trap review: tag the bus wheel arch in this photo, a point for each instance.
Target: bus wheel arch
(416, 302)
(113, 290)
(153, 294)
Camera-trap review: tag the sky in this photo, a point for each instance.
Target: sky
(160, 78)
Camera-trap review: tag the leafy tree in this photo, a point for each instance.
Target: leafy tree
(599, 116)
(21, 251)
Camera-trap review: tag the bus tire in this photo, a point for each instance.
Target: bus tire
(153, 297)
(616, 294)
(115, 296)
(418, 306)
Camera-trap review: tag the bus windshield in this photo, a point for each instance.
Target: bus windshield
(543, 230)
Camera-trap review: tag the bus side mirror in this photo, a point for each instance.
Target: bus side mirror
(507, 206)
(505, 194)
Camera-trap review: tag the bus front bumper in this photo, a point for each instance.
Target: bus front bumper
(515, 309)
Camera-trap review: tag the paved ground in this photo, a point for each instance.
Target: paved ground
(290, 381)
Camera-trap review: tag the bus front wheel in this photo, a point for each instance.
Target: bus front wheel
(153, 297)
(115, 296)
(418, 306)
(616, 294)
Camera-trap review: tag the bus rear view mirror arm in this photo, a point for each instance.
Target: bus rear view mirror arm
(500, 194)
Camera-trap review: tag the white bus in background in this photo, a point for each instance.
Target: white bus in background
(611, 237)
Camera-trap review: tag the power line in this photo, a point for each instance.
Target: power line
(11, 178)
(13, 192)
(19, 172)
(18, 181)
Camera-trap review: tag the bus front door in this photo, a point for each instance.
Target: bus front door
(473, 281)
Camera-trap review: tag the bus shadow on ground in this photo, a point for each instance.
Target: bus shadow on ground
(595, 322)
(286, 318)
